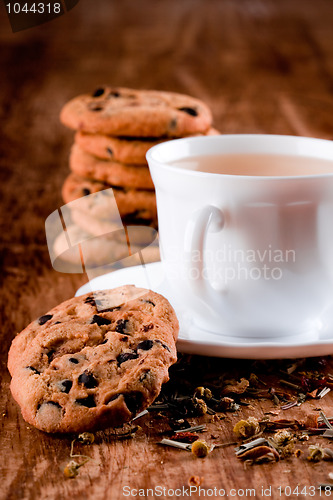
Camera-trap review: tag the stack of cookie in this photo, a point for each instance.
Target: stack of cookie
(115, 127)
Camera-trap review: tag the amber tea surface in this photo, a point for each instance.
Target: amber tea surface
(256, 165)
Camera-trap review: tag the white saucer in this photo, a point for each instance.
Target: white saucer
(193, 340)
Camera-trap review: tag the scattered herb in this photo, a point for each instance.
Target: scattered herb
(197, 407)
(127, 434)
(185, 437)
(71, 470)
(323, 392)
(247, 428)
(200, 449)
(195, 428)
(195, 481)
(284, 442)
(289, 405)
(315, 453)
(86, 438)
(139, 415)
(248, 446)
(290, 384)
(260, 453)
(203, 393)
(326, 420)
(176, 444)
(234, 387)
(328, 454)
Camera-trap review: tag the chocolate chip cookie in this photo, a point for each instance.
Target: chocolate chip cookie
(136, 113)
(102, 204)
(129, 150)
(111, 172)
(94, 361)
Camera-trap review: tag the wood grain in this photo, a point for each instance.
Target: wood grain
(262, 66)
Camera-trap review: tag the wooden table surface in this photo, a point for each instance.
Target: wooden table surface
(263, 67)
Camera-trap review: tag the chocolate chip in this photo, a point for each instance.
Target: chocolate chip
(88, 380)
(33, 369)
(114, 93)
(133, 401)
(189, 111)
(50, 355)
(53, 403)
(89, 401)
(43, 319)
(98, 92)
(94, 106)
(65, 386)
(99, 320)
(86, 191)
(125, 356)
(148, 327)
(144, 375)
(109, 151)
(173, 124)
(74, 361)
(90, 300)
(149, 302)
(112, 398)
(57, 323)
(145, 345)
(163, 345)
(121, 325)
(101, 306)
(124, 338)
(138, 221)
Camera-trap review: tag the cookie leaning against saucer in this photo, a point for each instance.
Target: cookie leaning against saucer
(136, 113)
(129, 150)
(111, 172)
(94, 361)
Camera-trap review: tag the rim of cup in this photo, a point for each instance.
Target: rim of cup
(266, 144)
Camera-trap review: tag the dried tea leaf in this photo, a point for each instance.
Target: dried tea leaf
(311, 421)
(260, 453)
(283, 437)
(225, 404)
(247, 428)
(195, 481)
(328, 454)
(200, 449)
(284, 441)
(234, 387)
(185, 437)
(316, 453)
(282, 423)
(203, 393)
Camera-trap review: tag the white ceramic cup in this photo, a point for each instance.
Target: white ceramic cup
(249, 256)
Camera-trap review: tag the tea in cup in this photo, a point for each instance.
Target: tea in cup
(246, 231)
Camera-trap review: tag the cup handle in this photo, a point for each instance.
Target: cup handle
(204, 220)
